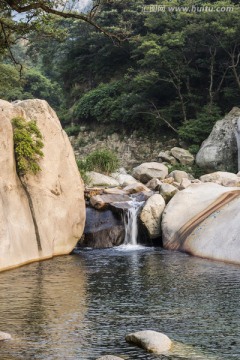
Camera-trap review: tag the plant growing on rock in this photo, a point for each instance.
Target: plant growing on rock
(27, 145)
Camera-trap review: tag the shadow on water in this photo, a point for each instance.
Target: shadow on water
(82, 306)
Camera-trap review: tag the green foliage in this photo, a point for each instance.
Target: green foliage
(32, 84)
(196, 130)
(104, 161)
(27, 146)
(72, 130)
(83, 171)
(194, 170)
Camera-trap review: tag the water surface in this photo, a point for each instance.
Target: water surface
(81, 306)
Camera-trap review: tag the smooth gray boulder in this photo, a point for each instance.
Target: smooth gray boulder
(150, 170)
(219, 151)
(204, 220)
(151, 341)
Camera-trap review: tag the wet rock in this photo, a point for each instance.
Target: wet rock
(103, 201)
(142, 196)
(97, 179)
(5, 336)
(151, 341)
(135, 188)
(168, 191)
(183, 156)
(148, 171)
(103, 229)
(115, 191)
(151, 215)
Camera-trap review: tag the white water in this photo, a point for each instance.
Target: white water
(237, 134)
(131, 223)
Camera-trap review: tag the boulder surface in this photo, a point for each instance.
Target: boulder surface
(151, 341)
(150, 170)
(41, 215)
(219, 151)
(204, 220)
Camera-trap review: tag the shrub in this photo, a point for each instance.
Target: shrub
(83, 171)
(195, 131)
(27, 145)
(72, 130)
(103, 161)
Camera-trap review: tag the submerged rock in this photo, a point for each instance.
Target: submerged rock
(152, 341)
(150, 170)
(46, 216)
(5, 336)
(204, 220)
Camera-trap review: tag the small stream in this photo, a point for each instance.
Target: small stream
(81, 306)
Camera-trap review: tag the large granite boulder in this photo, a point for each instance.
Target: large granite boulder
(103, 229)
(151, 215)
(45, 216)
(204, 220)
(150, 170)
(151, 341)
(220, 151)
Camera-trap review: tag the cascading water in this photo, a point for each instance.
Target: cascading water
(131, 222)
(237, 134)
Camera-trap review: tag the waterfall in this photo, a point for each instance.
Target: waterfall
(237, 134)
(131, 222)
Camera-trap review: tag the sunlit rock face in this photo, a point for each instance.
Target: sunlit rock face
(220, 150)
(204, 220)
(56, 192)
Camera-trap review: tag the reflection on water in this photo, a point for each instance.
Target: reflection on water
(81, 306)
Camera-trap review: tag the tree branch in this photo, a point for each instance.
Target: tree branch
(40, 5)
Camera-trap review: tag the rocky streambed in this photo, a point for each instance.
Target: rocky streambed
(198, 216)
